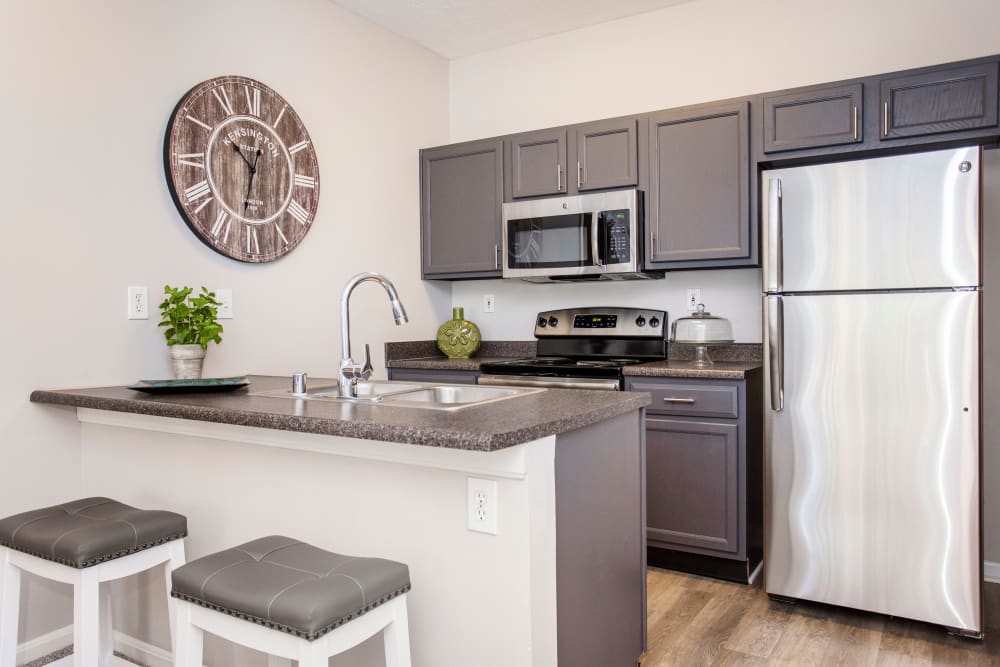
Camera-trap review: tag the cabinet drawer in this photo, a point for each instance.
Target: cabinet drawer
(693, 400)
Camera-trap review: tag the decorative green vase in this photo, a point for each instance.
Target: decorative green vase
(458, 337)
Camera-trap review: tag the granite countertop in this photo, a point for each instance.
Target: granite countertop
(486, 427)
(424, 354)
(672, 368)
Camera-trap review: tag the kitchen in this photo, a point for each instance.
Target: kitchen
(67, 65)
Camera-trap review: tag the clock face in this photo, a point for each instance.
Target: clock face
(242, 169)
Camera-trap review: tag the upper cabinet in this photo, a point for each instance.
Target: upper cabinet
(461, 195)
(537, 164)
(945, 99)
(699, 179)
(591, 156)
(813, 117)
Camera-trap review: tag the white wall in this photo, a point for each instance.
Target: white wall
(687, 54)
(88, 89)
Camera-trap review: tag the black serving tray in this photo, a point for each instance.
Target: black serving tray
(190, 386)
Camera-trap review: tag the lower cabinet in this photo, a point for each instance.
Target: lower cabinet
(704, 475)
(431, 375)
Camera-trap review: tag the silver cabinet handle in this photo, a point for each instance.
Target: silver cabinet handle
(558, 178)
(885, 119)
(579, 174)
(854, 122)
(775, 344)
(496, 256)
(775, 223)
(670, 399)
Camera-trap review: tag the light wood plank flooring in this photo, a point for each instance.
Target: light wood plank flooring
(694, 621)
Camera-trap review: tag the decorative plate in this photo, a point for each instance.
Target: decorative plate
(190, 386)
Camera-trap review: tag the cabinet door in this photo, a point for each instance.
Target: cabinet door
(606, 154)
(461, 195)
(946, 100)
(699, 183)
(693, 499)
(808, 119)
(538, 163)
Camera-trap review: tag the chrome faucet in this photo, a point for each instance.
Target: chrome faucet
(352, 372)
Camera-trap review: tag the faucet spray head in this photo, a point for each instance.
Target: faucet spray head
(398, 312)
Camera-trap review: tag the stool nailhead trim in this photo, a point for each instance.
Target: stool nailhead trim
(104, 557)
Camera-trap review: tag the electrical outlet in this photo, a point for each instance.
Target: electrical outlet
(138, 303)
(225, 297)
(488, 303)
(483, 505)
(694, 298)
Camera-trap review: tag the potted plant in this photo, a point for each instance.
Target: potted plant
(192, 322)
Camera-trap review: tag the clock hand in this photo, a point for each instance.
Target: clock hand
(253, 172)
(237, 149)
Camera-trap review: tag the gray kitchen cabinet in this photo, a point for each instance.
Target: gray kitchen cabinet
(704, 474)
(537, 163)
(432, 375)
(699, 181)
(605, 154)
(945, 99)
(461, 199)
(813, 117)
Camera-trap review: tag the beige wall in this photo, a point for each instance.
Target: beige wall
(87, 92)
(991, 352)
(698, 52)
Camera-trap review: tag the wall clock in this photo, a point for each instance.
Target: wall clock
(242, 169)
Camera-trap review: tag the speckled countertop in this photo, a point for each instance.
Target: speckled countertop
(731, 361)
(486, 427)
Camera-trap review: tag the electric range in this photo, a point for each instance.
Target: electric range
(585, 348)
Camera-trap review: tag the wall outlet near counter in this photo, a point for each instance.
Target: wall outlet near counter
(488, 303)
(483, 505)
(138, 303)
(693, 298)
(225, 297)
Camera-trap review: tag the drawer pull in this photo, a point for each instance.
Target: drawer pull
(687, 401)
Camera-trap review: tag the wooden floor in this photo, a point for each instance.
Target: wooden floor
(697, 621)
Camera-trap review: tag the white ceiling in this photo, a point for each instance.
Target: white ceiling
(456, 28)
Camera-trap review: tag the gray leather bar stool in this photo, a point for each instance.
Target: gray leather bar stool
(292, 601)
(84, 543)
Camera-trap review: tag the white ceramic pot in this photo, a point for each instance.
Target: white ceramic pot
(187, 361)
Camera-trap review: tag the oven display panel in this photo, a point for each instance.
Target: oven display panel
(595, 321)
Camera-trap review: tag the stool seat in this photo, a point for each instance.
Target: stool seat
(288, 585)
(89, 531)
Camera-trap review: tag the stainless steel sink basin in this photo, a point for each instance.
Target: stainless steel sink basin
(412, 395)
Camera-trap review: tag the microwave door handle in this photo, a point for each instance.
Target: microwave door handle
(595, 241)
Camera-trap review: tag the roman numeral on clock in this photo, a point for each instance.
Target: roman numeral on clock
(297, 147)
(278, 119)
(305, 181)
(204, 204)
(252, 239)
(192, 159)
(297, 212)
(198, 122)
(199, 189)
(253, 100)
(221, 220)
(223, 99)
(284, 239)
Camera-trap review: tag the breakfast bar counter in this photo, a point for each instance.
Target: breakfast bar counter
(550, 571)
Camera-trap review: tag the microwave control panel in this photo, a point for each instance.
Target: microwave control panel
(614, 230)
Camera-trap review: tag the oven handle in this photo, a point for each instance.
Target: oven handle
(554, 383)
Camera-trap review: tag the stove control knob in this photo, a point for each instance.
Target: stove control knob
(641, 321)
(553, 321)
(654, 321)
(542, 321)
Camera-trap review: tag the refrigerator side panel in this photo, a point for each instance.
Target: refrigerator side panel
(909, 221)
(873, 458)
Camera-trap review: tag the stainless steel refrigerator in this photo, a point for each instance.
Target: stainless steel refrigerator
(872, 391)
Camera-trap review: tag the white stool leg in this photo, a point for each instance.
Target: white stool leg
(278, 661)
(188, 638)
(176, 560)
(313, 654)
(107, 642)
(396, 636)
(86, 618)
(10, 597)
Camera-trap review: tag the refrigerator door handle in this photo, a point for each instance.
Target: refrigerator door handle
(776, 351)
(774, 231)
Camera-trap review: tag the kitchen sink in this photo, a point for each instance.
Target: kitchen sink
(411, 395)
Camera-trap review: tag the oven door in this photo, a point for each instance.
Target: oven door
(604, 384)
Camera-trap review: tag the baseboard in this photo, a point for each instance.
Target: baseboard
(991, 571)
(40, 646)
(140, 651)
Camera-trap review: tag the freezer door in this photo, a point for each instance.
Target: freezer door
(873, 454)
(909, 221)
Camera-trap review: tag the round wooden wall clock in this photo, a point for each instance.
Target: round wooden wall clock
(242, 169)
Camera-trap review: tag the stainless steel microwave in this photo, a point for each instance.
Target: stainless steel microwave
(583, 237)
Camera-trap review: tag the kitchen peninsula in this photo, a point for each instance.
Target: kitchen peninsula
(561, 582)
